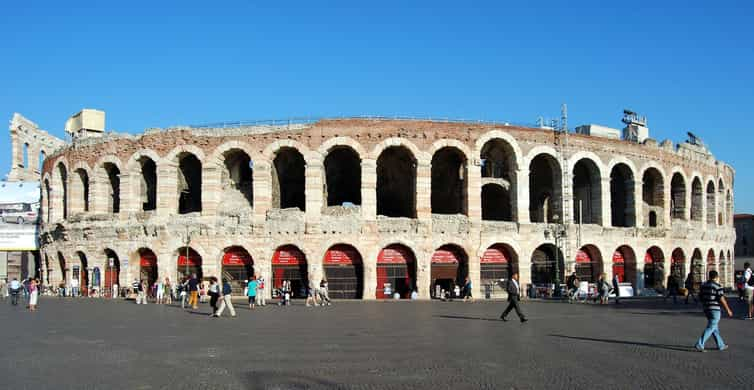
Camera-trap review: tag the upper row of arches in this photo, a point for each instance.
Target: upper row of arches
(604, 194)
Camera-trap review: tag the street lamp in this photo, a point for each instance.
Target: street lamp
(558, 232)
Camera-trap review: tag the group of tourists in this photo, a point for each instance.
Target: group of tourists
(604, 289)
(28, 288)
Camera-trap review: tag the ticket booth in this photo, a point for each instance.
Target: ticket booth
(344, 272)
(289, 263)
(396, 272)
(238, 268)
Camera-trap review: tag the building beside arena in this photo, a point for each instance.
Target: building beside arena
(380, 206)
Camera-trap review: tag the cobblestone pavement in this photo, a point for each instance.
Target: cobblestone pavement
(97, 344)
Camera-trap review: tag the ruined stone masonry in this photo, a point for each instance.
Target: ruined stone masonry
(363, 203)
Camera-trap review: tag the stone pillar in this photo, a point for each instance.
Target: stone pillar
(474, 193)
(423, 193)
(607, 212)
(167, 188)
(370, 279)
(522, 191)
(313, 189)
(167, 265)
(704, 217)
(423, 273)
(211, 188)
(475, 275)
(368, 189)
(262, 182)
(638, 206)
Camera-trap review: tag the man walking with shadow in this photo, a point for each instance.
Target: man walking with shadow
(712, 296)
(514, 295)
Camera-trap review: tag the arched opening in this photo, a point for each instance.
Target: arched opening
(63, 269)
(721, 210)
(238, 268)
(344, 272)
(449, 269)
(622, 196)
(396, 183)
(148, 266)
(711, 261)
(237, 182)
(396, 272)
(711, 203)
(289, 264)
(499, 262)
(342, 177)
(81, 275)
(148, 184)
(189, 184)
(543, 262)
(697, 269)
(654, 268)
(82, 189)
(47, 201)
(449, 172)
(112, 273)
(678, 197)
(653, 196)
(25, 161)
(113, 188)
(545, 199)
(62, 183)
(678, 264)
(496, 203)
(696, 200)
(42, 157)
(729, 207)
(624, 265)
(587, 192)
(588, 265)
(189, 265)
(723, 268)
(498, 166)
(288, 179)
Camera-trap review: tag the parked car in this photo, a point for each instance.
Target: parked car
(24, 214)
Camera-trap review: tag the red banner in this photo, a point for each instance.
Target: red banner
(395, 254)
(342, 254)
(148, 259)
(194, 260)
(618, 257)
(648, 258)
(494, 256)
(443, 256)
(237, 257)
(583, 257)
(288, 255)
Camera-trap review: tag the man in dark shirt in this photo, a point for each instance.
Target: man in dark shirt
(193, 288)
(514, 295)
(712, 296)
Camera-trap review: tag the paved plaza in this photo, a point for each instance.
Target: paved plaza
(100, 344)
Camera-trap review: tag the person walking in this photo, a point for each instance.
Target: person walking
(159, 291)
(616, 288)
(226, 300)
(193, 290)
(603, 288)
(572, 283)
(33, 294)
(514, 296)
(673, 287)
(183, 292)
(168, 291)
(324, 294)
(713, 297)
(251, 291)
(214, 294)
(311, 294)
(15, 290)
(749, 296)
(261, 291)
(467, 290)
(689, 285)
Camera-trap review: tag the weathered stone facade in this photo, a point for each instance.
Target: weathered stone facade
(465, 187)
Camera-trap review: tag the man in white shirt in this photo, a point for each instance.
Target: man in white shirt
(749, 290)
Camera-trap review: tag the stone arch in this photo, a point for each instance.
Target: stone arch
(653, 195)
(234, 166)
(654, 268)
(60, 189)
(288, 178)
(107, 173)
(678, 193)
(711, 260)
(697, 268)
(504, 137)
(449, 267)
(587, 188)
(80, 273)
(545, 184)
(175, 154)
(194, 264)
(449, 185)
(678, 263)
(589, 264)
(342, 174)
(111, 277)
(81, 188)
(547, 265)
(710, 201)
(499, 165)
(396, 271)
(189, 184)
(622, 193)
(624, 264)
(450, 143)
(343, 269)
(326, 147)
(380, 148)
(696, 199)
(274, 148)
(396, 182)
(218, 155)
(721, 211)
(290, 262)
(729, 206)
(142, 168)
(237, 266)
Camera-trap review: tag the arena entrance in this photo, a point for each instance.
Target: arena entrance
(449, 269)
(189, 265)
(543, 265)
(654, 268)
(238, 267)
(496, 265)
(147, 266)
(112, 273)
(289, 263)
(678, 263)
(697, 269)
(82, 274)
(396, 272)
(344, 272)
(624, 265)
(588, 264)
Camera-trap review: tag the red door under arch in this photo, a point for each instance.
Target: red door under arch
(395, 272)
(289, 263)
(449, 269)
(344, 272)
(238, 267)
(147, 266)
(190, 265)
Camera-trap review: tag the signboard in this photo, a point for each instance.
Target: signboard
(395, 255)
(342, 254)
(494, 256)
(148, 259)
(19, 216)
(618, 257)
(443, 256)
(288, 255)
(194, 260)
(648, 258)
(236, 257)
(582, 257)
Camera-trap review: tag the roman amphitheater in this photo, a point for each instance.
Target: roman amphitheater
(380, 206)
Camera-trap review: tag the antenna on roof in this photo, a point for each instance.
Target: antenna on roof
(564, 118)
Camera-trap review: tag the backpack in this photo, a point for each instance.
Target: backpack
(227, 289)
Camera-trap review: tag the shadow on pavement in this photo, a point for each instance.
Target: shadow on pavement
(285, 380)
(680, 348)
(468, 318)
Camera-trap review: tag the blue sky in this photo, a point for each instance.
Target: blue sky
(686, 65)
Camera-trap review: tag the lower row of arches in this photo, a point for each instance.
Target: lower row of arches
(396, 268)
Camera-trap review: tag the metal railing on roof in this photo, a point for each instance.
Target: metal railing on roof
(310, 120)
